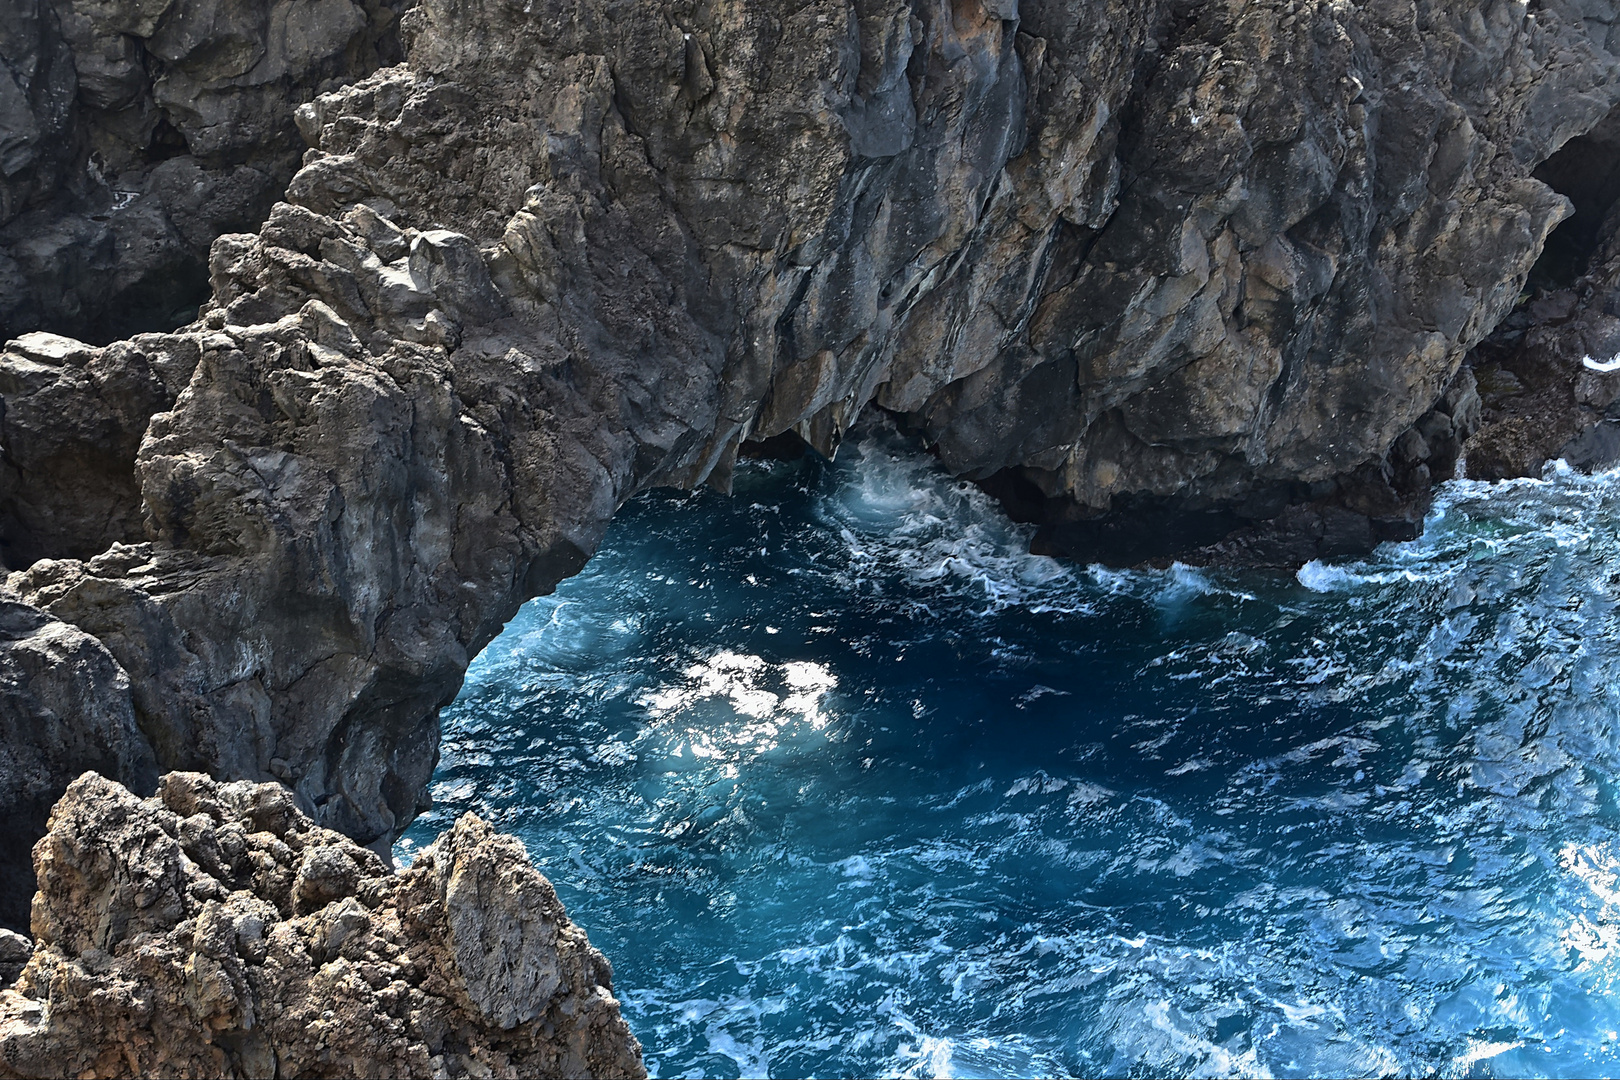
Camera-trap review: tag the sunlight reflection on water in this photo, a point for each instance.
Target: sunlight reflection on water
(846, 782)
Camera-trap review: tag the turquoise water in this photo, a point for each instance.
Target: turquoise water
(847, 783)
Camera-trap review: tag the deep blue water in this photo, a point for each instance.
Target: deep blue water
(847, 783)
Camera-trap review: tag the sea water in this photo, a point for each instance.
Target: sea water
(847, 783)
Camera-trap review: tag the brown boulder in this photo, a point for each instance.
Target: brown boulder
(214, 931)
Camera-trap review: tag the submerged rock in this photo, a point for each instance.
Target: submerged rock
(213, 930)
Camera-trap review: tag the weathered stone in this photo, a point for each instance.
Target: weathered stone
(174, 937)
(134, 133)
(64, 707)
(1206, 272)
(74, 418)
(1160, 274)
(1542, 397)
(1595, 448)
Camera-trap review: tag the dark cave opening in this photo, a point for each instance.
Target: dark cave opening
(17, 882)
(787, 446)
(158, 303)
(1585, 170)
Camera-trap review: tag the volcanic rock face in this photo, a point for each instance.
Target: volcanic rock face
(1542, 400)
(1117, 258)
(214, 931)
(64, 707)
(133, 132)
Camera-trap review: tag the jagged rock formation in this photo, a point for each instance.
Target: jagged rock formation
(133, 132)
(214, 931)
(1209, 263)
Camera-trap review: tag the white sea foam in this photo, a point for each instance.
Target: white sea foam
(750, 1057)
(899, 513)
(746, 682)
(1322, 578)
(1358, 823)
(1478, 1051)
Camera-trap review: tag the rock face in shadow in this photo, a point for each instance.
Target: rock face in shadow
(1215, 262)
(64, 708)
(214, 931)
(1542, 399)
(134, 132)
(74, 420)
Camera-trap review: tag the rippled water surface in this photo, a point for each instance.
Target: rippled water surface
(845, 783)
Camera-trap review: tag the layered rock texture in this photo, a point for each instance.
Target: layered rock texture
(133, 132)
(214, 931)
(1209, 267)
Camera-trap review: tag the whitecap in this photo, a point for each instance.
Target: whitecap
(1320, 577)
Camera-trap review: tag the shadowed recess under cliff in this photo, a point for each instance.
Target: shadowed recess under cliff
(848, 783)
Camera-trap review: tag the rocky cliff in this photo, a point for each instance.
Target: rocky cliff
(133, 132)
(1164, 276)
(214, 931)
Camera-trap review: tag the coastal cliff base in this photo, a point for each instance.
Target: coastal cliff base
(215, 931)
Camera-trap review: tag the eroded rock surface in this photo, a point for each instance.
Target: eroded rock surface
(73, 422)
(1541, 373)
(214, 931)
(1122, 262)
(134, 132)
(64, 707)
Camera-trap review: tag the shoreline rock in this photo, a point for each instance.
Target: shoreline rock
(1220, 262)
(214, 931)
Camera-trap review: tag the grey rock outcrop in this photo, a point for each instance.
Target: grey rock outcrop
(214, 931)
(14, 953)
(133, 132)
(64, 707)
(74, 419)
(1215, 262)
